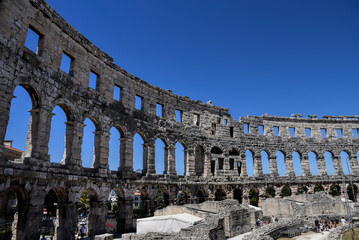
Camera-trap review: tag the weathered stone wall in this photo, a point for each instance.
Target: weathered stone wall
(214, 142)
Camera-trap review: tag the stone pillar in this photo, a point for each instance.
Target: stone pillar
(273, 165)
(101, 149)
(322, 171)
(185, 159)
(125, 216)
(73, 142)
(190, 163)
(97, 219)
(289, 167)
(149, 158)
(5, 101)
(338, 168)
(38, 134)
(258, 171)
(305, 165)
(126, 155)
(170, 159)
(243, 166)
(66, 221)
(354, 164)
(207, 164)
(27, 222)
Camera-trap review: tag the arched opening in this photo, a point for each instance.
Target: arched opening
(162, 199)
(297, 163)
(201, 196)
(88, 151)
(280, 163)
(180, 159)
(216, 150)
(18, 128)
(114, 148)
(141, 204)
(220, 195)
(249, 163)
(270, 192)
(181, 198)
(239, 167)
(334, 190)
(265, 162)
(57, 135)
(50, 213)
(138, 159)
(328, 157)
(302, 190)
(318, 188)
(286, 191)
(352, 191)
(313, 165)
(199, 160)
(344, 156)
(233, 159)
(160, 153)
(253, 197)
(116, 212)
(238, 195)
(216, 156)
(12, 213)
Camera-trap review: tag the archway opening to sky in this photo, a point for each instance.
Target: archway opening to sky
(114, 148)
(138, 142)
(160, 156)
(344, 156)
(88, 143)
(328, 157)
(297, 163)
(313, 165)
(265, 162)
(57, 135)
(249, 163)
(280, 163)
(180, 159)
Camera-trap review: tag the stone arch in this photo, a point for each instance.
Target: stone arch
(313, 162)
(250, 164)
(220, 195)
(238, 195)
(90, 151)
(216, 150)
(199, 160)
(334, 190)
(253, 196)
(286, 191)
(345, 162)
(302, 190)
(234, 159)
(182, 197)
(139, 146)
(162, 198)
(265, 161)
(297, 165)
(329, 163)
(280, 162)
(161, 155)
(201, 195)
(270, 192)
(318, 188)
(352, 191)
(33, 93)
(180, 157)
(217, 160)
(233, 151)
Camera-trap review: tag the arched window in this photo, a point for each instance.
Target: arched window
(249, 163)
(313, 164)
(265, 162)
(280, 163)
(180, 159)
(297, 163)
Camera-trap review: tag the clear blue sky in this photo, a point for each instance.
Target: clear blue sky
(254, 57)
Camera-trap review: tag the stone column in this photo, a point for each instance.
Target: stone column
(149, 158)
(305, 165)
(5, 102)
(243, 166)
(258, 171)
(322, 171)
(354, 164)
(289, 166)
(338, 168)
(38, 134)
(101, 150)
(27, 222)
(73, 142)
(170, 158)
(66, 221)
(97, 219)
(207, 164)
(126, 155)
(185, 158)
(273, 165)
(125, 216)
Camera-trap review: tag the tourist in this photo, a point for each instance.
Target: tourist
(82, 231)
(317, 226)
(273, 219)
(258, 223)
(276, 219)
(43, 237)
(343, 221)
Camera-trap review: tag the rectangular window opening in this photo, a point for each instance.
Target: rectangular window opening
(231, 164)
(339, 132)
(32, 40)
(93, 80)
(214, 128)
(178, 115)
(355, 133)
(219, 120)
(276, 131)
(117, 92)
(292, 131)
(308, 132)
(138, 102)
(196, 119)
(66, 63)
(231, 131)
(220, 163)
(323, 132)
(261, 129)
(246, 128)
(225, 122)
(159, 109)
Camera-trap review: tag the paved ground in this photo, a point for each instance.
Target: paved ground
(304, 236)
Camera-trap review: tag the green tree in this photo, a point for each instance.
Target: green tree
(318, 188)
(160, 200)
(253, 197)
(286, 192)
(334, 190)
(84, 203)
(181, 198)
(270, 192)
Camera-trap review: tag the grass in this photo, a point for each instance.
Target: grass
(347, 236)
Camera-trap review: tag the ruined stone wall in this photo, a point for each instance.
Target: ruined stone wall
(214, 142)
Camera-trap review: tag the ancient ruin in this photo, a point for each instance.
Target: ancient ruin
(216, 145)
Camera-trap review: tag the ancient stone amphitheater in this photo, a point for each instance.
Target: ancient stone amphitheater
(215, 144)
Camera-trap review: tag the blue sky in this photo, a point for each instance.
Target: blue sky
(254, 57)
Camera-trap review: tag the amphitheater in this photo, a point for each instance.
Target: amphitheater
(215, 144)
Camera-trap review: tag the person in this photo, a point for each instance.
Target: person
(276, 219)
(43, 237)
(343, 221)
(317, 225)
(258, 223)
(273, 219)
(82, 231)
